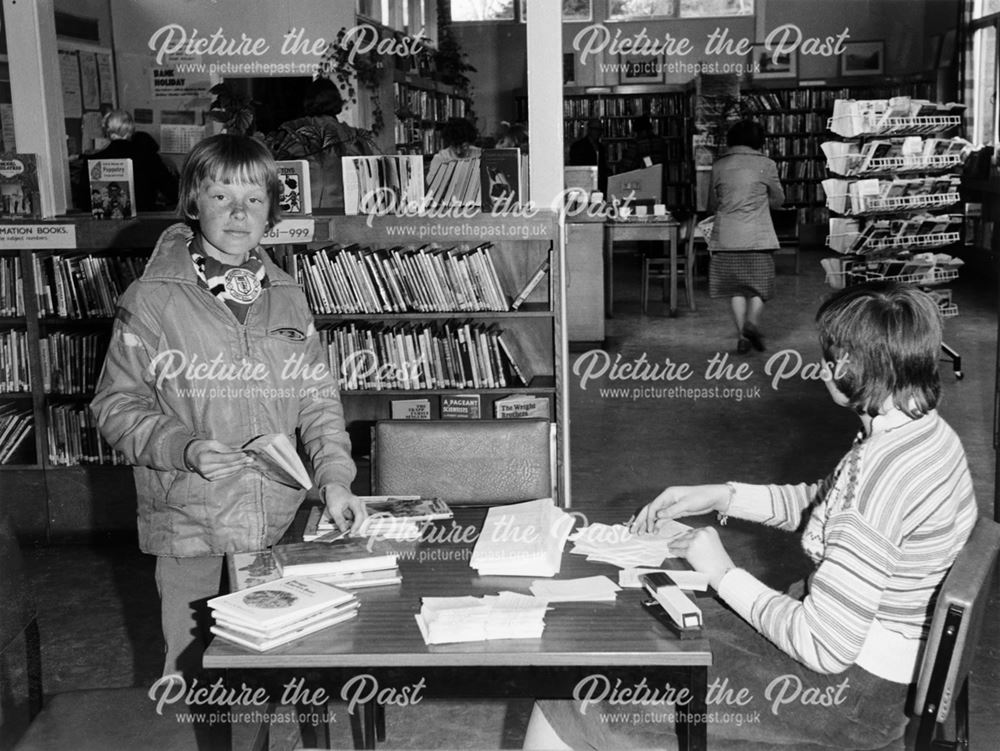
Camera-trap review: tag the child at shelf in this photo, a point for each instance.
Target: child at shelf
(832, 667)
(213, 346)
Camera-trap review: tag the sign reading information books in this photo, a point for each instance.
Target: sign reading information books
(38, 236)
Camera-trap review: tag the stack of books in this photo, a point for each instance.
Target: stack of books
(508, 615)
(277, 612)
(342, 556)
(522, 539)
(382, 184)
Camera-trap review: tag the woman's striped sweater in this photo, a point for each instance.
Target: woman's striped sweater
(883, 530)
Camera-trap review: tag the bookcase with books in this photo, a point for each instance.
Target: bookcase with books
(795, 119)
(440, 318)
(669, 111)
(894, 199)
(422, 106)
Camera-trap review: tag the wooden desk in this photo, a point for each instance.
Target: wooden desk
(639, 230)
(616, 640)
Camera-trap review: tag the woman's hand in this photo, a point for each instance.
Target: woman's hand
(705, 552)
(678, 501)
(214, 460)
(345, 508)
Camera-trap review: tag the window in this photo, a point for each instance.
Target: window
(621, 10)
(985, 72)
(482, 10)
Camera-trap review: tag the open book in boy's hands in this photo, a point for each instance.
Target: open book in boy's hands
(276, 457)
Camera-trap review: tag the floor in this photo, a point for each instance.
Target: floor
(629, 440)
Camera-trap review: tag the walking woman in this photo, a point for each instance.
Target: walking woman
(743, 190)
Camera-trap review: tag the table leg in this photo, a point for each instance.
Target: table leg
(673, 235)
(609, 264)
(692, 730)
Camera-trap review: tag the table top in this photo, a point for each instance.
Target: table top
(385, 632)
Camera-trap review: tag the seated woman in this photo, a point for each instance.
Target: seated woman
(459, 136)
(882, 531)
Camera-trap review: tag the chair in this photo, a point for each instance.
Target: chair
(942, 690)
(657, 268)
(464, 462)
(786, 227)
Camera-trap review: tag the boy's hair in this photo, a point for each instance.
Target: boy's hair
(118, 125)
(228, 158)
(749, 133)
(889, 336)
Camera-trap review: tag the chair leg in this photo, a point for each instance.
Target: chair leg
(962, 716)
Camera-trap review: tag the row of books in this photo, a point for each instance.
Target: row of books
(800, 169)
(653, 105)
(898, 114)
(74, 439)
(469, 407)
(80, 286)
(71, 362)
(11, 286)
(791, 146)
(665, 127)
(793, 122)
(396, 280)
(921, 230)
(911, 153)
(14, 361)
(381, 184)
(674, 169)
(438, 355)
(426, 105)
(922, 268)
(897, 194)
(803, 192)
(456, 182)
(412, 137)
(15, 427)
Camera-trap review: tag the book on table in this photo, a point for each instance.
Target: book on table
(262, 643)
(388, 515)
(19, 195)
(295, 198)
(275, 456)
(340, 556)
(112, 188)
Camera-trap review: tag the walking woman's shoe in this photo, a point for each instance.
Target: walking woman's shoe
(742, 345)
(752, 333)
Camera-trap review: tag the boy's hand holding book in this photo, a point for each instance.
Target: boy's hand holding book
(346, 509)
(214, 460)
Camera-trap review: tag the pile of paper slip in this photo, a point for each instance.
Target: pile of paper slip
(279, 611)
(615, 544)
(508, 615)
(522, 539)
(589, 589)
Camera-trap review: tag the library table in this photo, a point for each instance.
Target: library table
(640, 229)
(613, 640)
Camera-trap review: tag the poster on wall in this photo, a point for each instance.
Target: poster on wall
(179, 76)
(69, 76)
(89, 77)
(106, 78)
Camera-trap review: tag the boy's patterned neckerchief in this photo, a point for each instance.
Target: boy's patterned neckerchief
(236, 286)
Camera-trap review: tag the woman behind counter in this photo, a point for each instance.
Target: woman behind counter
(744, 188)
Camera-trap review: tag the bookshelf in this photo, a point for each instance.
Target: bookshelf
(795, 119)
(422, 106)
(50, 497)
(534, 331)
(669, 110)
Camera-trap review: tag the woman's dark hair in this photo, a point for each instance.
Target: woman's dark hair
(457, 131)
(228, 158)
(748, 133)
(886, 339)
(322, 97)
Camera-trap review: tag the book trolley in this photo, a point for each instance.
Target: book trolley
(894, 185)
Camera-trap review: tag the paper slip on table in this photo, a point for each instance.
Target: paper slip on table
(618, 640)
